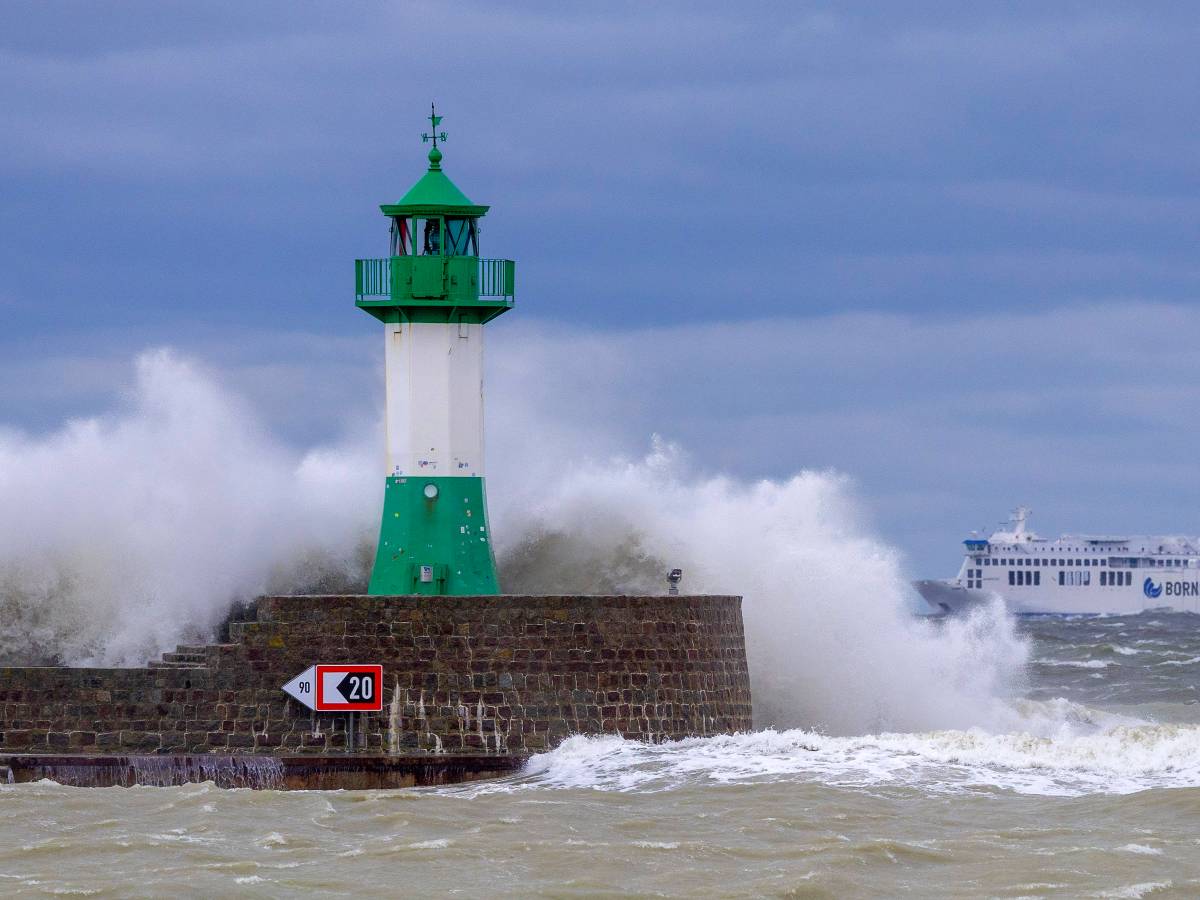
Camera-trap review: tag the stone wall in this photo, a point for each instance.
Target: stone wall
(508, 674)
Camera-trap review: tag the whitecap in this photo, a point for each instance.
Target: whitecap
(1142, 849)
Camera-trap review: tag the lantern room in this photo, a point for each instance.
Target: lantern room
(433, 257)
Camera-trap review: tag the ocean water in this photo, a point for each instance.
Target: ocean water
(1091, 788)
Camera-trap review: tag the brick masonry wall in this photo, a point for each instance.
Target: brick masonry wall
(508, 674)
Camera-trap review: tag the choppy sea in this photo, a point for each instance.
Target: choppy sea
(1094, 791)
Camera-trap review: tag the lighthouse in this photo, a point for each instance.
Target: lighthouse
(434, 293)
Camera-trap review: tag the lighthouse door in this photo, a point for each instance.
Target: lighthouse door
(429, 276)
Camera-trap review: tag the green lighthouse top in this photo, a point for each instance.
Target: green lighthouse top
(434, 193)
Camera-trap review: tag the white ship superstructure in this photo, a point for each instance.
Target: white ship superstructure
(1078, 574)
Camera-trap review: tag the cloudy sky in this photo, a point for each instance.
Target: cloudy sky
(948, 249)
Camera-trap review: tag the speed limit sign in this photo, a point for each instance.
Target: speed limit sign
(339, 688)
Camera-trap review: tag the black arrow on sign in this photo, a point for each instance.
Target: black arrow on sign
(352, 687)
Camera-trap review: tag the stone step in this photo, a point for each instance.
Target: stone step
(163, 664)
(191, 648)
(178, 657)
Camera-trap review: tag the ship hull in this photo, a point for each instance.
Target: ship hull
(948, 598)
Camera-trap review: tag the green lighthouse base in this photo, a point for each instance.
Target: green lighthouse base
(434, 539)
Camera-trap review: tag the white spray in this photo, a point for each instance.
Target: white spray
(122, 535)
(833, 643)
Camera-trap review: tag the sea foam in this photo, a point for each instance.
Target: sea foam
(1116, 756)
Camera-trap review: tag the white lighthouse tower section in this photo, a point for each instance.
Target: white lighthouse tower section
(434, 381)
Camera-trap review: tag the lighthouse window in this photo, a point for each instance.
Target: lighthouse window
(401, 237)
(460, 237)
(431, 240)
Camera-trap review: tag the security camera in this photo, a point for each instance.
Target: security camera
(673, 579)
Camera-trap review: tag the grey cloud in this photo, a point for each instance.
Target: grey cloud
(643, 162)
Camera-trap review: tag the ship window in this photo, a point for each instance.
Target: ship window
(1012, 577)
(1037, 578)
(1103, 579)
(1062, 577)
(1128, 577)
(987, 562)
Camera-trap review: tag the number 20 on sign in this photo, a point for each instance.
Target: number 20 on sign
(339, 688)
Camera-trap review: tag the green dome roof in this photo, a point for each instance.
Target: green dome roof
(434, 193)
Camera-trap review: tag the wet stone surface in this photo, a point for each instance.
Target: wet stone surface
(500, 675)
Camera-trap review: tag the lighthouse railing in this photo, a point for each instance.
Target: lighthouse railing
(372, 278)
(496, 277)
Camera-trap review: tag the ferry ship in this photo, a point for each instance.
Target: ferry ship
(1075, 574)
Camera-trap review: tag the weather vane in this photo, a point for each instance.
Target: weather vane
(434, 121)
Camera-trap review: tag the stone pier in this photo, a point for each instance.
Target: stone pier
(471, 685)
